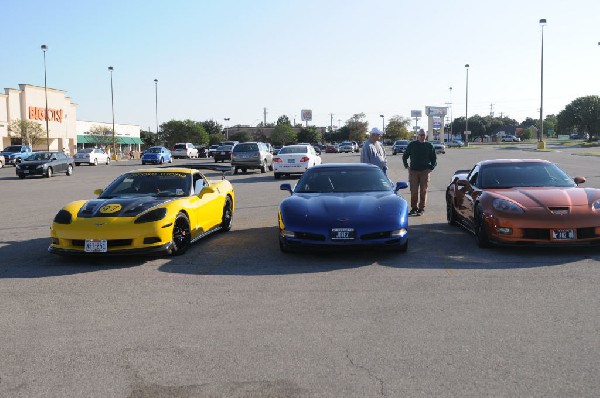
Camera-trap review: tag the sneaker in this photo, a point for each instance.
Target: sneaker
(413, 212)
(420, 212)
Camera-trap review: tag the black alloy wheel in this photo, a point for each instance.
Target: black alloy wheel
(227, 220)
(181, 234)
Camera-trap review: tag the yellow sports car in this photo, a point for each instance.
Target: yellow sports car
(159, 210)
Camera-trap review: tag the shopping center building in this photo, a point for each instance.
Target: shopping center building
(65, 132)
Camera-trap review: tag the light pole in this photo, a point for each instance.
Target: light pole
(467, 107)
(383, 117)
(451, 120)
(112, 102)
(44, 49)
(156, 103)
(227, 128)
(541, 131)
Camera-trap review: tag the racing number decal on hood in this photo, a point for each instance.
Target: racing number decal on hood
(112, 208)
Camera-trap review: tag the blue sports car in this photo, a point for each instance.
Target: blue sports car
(157, 155)
(343, 204)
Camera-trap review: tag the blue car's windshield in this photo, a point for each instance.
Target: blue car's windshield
(338, 180)
(153, 150)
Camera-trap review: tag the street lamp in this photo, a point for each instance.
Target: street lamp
(451, 133)
(383, 117)
(156, 103)
(467, 106)
(227, 128)
(541, 131)
(112, 102)
(44, 49)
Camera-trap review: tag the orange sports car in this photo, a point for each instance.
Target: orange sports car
(523, 202)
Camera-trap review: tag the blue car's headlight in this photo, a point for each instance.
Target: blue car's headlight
(507, 206)
(151, 216)
(63, 217)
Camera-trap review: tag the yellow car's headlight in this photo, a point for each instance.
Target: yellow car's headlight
(63, 217)
(151, 216)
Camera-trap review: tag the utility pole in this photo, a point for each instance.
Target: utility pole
(264, 117)
(331, 121)
(492, 110)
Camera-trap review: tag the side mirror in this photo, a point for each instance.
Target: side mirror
(207, 189)
(286, 187)
(579, 180)
(401, 185)
(98, 192)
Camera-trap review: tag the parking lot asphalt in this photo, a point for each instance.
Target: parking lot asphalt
(236, 317)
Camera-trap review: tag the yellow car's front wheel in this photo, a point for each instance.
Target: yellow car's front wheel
(182, 234)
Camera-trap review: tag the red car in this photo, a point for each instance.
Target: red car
(523, 202)
(332, 149)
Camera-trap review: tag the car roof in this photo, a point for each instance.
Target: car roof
(344, 166)
(164, 170)
(504, 161)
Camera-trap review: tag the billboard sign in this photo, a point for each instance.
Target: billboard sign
(415, 113)
(435, 111)
(306, 115)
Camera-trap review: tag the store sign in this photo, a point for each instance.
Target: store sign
(37, 113)
(306, 115)
(435, 111)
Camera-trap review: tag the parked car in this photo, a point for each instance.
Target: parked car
(439, 146)
(91, 156)
(343, 205)
(346, 147)
(157, 155)
(579, 136)
(146, 211)
(455, 144)
(45, 163)
(13, 154)
(2, 161)
(251, 155)
(399, 146)
(332, 149)
(510, 138)
(294, 159)
(276, 149)
(523, 202)
(184, 150)
(223, 153)
(212, 149)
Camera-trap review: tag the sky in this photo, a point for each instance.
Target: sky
(234, 58)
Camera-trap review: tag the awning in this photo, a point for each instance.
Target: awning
(84, 139)
(90, 139)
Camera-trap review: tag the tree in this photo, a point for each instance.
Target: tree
(357, 127)
(212, 127)
(240, 136)
(310, 134)
(30, 132)
(175, 131)
(283, 120)
(149, 138)
(101, 136)
(583, 115)
(397, 128)
(283, 134)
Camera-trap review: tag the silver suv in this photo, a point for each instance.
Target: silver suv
(251, 155)
(184, 150)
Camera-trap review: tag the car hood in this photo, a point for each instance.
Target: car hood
(119, 207)
(344, 208)
(548, 197)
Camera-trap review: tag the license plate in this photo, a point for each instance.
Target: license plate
(291, 160)
(25, 171)
(222, 153)
(96, 246)
(563, 234)
(342, 234)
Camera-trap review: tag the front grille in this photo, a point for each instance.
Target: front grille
(309, 236)
(376, 235)
(111, 243)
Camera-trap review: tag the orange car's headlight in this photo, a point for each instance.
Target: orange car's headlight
(507, 206)
(596, 205)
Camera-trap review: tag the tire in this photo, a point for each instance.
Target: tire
(450, 213)
(263, 167)
(244, 170)
(21, 176)
(283, 246)
(483, 240)
(69, 170)
(277, 175)
(271, 167)
(170, 160)
(235, 170)
(227, 219)
(96, 162)
(403, 248)
(181, 234)
(77, 164)
(143, 163)
(49, 172)
(216, 160)
(161, 161)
